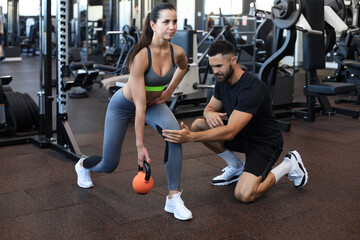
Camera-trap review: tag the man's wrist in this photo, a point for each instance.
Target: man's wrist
(206, 113)
(193, 136)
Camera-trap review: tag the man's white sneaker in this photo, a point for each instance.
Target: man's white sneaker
(176, 206)
(298, 173)
(229, 176)
(83, 176)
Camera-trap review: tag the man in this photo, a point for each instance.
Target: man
(251, 128)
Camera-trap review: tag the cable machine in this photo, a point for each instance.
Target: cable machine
(64, 142)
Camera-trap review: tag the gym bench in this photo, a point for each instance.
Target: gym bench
(321, 91)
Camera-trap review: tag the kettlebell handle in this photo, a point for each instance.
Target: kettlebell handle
(147, 170)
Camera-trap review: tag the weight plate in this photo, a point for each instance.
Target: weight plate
(25, 119)
(18, 112)
(7, 89)
(34, 109)
(286, 13)
(10, 113)
(330, 38)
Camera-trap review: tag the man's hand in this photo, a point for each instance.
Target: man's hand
(178, 136)
(213, 119)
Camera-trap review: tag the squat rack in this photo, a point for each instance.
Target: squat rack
(64, 142)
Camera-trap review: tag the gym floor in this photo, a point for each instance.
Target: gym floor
(39, 197)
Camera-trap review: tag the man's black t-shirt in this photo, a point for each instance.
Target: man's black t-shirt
(251, 95)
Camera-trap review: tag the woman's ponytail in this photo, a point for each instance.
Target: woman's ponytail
(145, 40)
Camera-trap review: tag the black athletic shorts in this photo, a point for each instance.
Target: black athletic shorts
(259, 158)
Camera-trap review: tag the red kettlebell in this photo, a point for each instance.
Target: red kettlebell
(143, 182)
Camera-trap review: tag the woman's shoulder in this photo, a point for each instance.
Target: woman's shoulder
(143, 53)
(140, 60)
(178, 51)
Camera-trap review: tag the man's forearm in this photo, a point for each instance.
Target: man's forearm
(222, 133)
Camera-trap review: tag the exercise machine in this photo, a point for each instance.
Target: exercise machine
(84, 74)
(127, 43)
(64, 142)
(297, 15)
(346, 55)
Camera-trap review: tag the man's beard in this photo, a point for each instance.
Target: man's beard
(226, 76)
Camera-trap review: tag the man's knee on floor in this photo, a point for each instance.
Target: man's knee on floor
(244, 195)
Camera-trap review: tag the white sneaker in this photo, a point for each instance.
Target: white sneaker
(176, 206)
(298, 173)
(229, 176)
(83, 176)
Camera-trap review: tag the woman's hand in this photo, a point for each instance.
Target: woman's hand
(143, 155)
(165, 95)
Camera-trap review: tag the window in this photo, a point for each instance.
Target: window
(3, 4)
(32, 7)
(228, 7)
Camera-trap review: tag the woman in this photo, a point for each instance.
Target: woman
(209, 22)
(153, 78)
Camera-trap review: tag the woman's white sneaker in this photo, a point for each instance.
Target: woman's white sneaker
(83, 176)
(176, 206)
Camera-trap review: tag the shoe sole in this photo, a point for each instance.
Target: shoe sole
(226, 183)
(175, 215)
(83, 186)
(302, 167)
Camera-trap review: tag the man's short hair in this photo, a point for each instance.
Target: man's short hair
(221, 46)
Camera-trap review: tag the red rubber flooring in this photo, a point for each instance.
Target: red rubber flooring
(39, 197)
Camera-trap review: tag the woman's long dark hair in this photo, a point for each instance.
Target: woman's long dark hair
(147, 32)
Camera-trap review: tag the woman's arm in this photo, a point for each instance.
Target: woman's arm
(181, 61)
(137, 88)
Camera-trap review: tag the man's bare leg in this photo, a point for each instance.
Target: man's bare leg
(249, 187)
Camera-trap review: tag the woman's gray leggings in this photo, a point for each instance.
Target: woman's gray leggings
(158, 116)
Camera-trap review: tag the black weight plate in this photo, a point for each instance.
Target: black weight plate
(34, 109)
(338, 6)
(27, 110)
(330, 38)
(289, 18)
(10, 113)
(7, 89)
(25, 121)
(21, 112)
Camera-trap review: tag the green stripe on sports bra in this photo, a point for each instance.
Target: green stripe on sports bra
(155, 88)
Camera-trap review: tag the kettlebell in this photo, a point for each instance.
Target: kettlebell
(143, 182)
